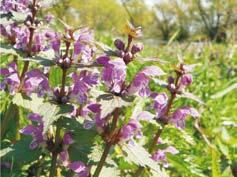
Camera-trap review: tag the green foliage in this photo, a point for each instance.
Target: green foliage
(19, 153)
(83, 138)
(49, 111)
(138, 155)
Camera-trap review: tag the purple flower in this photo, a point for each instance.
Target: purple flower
(160, 102)
(137, 48)
(114, 75)
(127, 57)
(186, 79)
(97, 119)
(19, 6)
(178, 117)
(22, 39)
(67, 138)
(145, 115)
(49, 18)
(28, 130)
(35, 130)
(141, 81)
(64, 158)
(36, 81)
(38, 44)
(35, 117)
(10, 32)
(130, 130)
(82, 84)
(88, 124)
(95, 108)
(119, 44)
(79, 168)
(10, 78)
(103, 60)
(83, 47)
(160, 155)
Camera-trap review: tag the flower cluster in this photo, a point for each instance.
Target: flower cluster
(7, 6)
(36, 131)
(34, 81)
(114, 74)
(130, 130)
(81, 41)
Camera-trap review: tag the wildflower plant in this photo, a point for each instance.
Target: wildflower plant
(84, 116)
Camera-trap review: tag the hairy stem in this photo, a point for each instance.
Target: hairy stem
(62, 91)
(115, 119)
(58, 128)
(102, 160)
(29, 51)
(108, 145)
(55, 153)
(129, 43)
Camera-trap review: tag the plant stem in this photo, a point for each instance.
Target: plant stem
(102, 160)
(62, 91)
(108, 145)
(55, 153)
(58, 128)
(115, 119)
(32, 30)
(129, 43)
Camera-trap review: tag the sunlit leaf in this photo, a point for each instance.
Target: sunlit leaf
(137, 154)
(109, 102)
(191, 96)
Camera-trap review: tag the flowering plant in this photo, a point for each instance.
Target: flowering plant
(91, 106)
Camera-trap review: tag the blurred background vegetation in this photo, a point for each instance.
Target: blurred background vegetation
(194, 20)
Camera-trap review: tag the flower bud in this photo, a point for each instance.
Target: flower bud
(120, 53)
(186, 79)
(170, 80)
(67, 60)
(137, 48)
(27, 23)
(48, 18)
(60, 61)
(64, 99)
(172, 88)
(127, 57)
(119, 44)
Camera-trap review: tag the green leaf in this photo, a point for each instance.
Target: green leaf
(18, 16)
(224, 92)
(52, 112)
(45, 58)
(184, 167)
(192, 97)
(20, 152)
(49, 111)
(8, 49)
(215, 163)
(55, 76)
(32, 103)
(138, 155)
(84, 138)
(109, 102)
(106, 171)
(109, 168)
